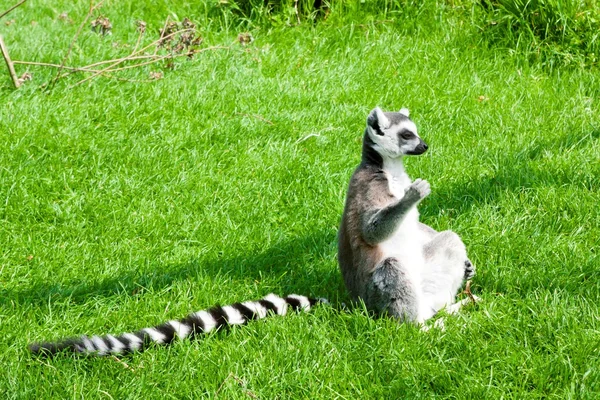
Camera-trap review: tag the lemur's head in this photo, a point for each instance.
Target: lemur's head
(394, 134)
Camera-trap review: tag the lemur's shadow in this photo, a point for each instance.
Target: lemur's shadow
(292, 261)
(512, 172)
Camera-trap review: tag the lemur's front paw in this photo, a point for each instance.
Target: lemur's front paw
(469, 270)
(419, 189)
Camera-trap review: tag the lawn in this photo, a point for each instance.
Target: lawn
(125, 203)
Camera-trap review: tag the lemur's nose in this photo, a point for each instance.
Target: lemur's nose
(425, 146)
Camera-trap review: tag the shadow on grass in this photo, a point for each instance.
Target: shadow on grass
(513, 172)
(292, 261)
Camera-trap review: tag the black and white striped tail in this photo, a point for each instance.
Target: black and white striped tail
(191, 326)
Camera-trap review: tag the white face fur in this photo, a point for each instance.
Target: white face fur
(394, 134)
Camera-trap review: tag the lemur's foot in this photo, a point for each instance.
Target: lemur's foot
(418, 190)
(469, 270)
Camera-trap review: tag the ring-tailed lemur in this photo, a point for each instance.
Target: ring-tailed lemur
(390, 260)
(193, 325)
(387, 257)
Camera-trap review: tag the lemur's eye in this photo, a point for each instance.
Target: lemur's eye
(406, 135)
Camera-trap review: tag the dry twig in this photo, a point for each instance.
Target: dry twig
(123, 363)
(175, 41)
(468, 292)
(141, 25)
(134, 53)
(161, 31)
(12, 8)
(4, 50)
(167, 57)
(90, 68)
(9, 64)
(89, 14)
(41, 64)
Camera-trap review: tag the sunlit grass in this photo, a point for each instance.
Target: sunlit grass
(124, 204)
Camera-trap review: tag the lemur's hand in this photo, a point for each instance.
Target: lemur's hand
(418, 190)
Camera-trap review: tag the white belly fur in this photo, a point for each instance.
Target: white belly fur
(406, 245)
(407, 242)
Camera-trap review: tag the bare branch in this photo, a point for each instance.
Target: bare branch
(120, 60)
(89, 14)
(138, 57)
(163, 30)
(9, 64)
(41, 64)
(167, 57)
(106, 72)
(12, 8)
(140, 36)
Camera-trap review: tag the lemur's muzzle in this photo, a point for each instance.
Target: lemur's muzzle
(420, 149)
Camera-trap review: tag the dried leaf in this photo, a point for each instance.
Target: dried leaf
(245, 38)
(156, 75)
(170, 28)
(65, 17)
(182, 43)
(187, 24)
(24, 78)
(197, 41)
(141, 25)
(102, 25)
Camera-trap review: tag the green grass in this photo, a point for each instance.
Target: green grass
(557, 32)
(124, 204)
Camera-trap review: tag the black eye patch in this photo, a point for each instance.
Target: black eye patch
(406, 134)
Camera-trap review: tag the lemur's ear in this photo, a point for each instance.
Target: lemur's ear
(377, 121)
(405, 112)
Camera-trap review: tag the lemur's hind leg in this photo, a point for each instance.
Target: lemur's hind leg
(391, 289)
(446, 267)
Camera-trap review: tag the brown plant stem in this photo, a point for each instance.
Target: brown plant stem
(121, 60)
(9, 64)
(87, 17)
(12, 8)
(41, 64)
